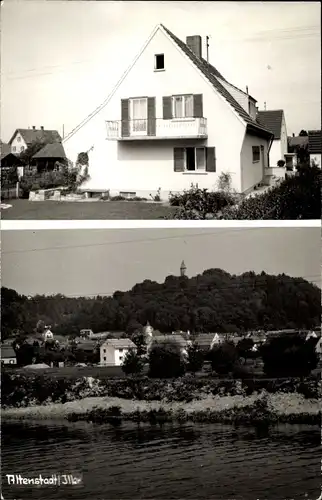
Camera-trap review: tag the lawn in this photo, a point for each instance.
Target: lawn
(100, 210)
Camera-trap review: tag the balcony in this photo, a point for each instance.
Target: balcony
(158, 128)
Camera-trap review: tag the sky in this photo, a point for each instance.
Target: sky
(60, 60)
(90, 262)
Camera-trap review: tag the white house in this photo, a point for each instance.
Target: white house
(113, 351)
(48, 334)
(23, 137)
(274, 120)
(8, 355)
(171, 121)
(315, 146)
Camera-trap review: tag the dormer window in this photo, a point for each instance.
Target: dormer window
(159, 61)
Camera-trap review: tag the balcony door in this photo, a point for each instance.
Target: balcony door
(139, 116)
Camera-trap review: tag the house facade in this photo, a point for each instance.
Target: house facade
(113, 351)
(315, 146)
(172, 121)
(274, 120)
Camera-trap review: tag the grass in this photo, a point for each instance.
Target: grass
(285, 407)
(75, 372)
(100, 210)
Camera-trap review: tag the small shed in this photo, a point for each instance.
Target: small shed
(50, 157)
(8, 355)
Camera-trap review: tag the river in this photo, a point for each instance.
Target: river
(211, 462)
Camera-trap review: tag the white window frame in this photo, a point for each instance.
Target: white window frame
(134, 122)
(200, 169)
(183, 106)
(18, 138)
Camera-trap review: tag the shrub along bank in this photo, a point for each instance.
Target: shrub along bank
(19, 390)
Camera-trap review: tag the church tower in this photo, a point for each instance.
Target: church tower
(183, 269)
(148, 330)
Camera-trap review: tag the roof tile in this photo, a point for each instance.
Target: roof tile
(272, 120)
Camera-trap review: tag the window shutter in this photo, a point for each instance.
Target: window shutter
(197, 106)
(151, 116)
(167, 107)
(178, 157)
(125, 125)
(211, 160)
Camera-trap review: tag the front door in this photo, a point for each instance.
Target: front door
(139, 116)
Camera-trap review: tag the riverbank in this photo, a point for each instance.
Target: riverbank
(264, 407)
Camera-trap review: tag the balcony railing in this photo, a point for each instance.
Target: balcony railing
(158, 128)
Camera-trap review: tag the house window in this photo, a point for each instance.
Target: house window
(138, 115)
(195, 159)
(182, 106)
(121, 357)
(22, 148)
(14, 149)
(256, 154)
(18, 138)
(104, 350)
(104, 358)
(159, 61)
(121, 350)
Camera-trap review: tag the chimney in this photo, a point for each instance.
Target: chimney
(195, 44)
(293, 135)
(42, 127)
(33, 127)
(246, 89)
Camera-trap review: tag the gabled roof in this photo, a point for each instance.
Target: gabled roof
(120, 343)
(54, 150)
(204, 339)
(207, 69)
(315, 140)
(213, 75)
(272, 120)
(168, 338)
(30, 135)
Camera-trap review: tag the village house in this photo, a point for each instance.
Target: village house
(24, 137)
(172, 120)
(274, 120)
(113, 351)
(315, 146)
(8, 355)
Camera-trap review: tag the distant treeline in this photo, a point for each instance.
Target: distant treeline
(210, 302)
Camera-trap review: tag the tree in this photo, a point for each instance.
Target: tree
(166, 360)
(133, 326)
(195, 358)
(303, 133)
(31, 150)
(132, 363)
(289, 356)
(139, 340)
(223, 358)
(244, 348)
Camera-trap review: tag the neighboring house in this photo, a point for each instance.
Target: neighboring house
(113, 351)
(8, 355)
(315, 146)
(203, 341)
(172, 120)
(274, 120)
(23, 137)
(298, 146)
(48, 334)
(9, 160)
(183, 343)
(50, 157)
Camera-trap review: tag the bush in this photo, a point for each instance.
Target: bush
(297, 197)
(132, 363)
(200, 203)
(280, 163)
(289, 356)
(166, 360)
(223, 358)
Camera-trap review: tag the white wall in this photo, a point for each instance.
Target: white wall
(144, 166)
(275, 153)
(108, 354)
(283, 138)
(18, 144)
(317, 158)
(252, 173)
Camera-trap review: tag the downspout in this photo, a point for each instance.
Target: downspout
(269, 148)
